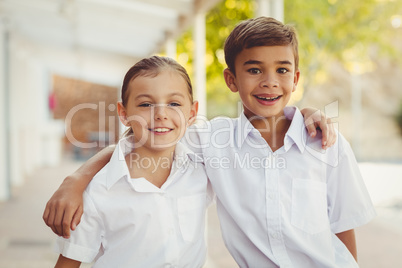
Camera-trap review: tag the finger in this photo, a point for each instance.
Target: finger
(311, 130)
(45, 215)
(66, 222)
(324, 130)
(333, 136)
(58, 220)
(77, 218)
(50, 220)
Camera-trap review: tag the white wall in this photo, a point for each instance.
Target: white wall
(4, 184)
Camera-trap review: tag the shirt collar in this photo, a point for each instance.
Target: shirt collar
(117, 164)
(296, 133)
(118, 167)
(244, 127)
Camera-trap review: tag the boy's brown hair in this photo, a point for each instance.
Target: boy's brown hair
(261, 31)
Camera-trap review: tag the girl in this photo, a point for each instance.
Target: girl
(146, 207)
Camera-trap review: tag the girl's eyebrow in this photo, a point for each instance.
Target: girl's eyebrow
(150, 96)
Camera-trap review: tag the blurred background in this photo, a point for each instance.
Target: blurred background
(62, 63)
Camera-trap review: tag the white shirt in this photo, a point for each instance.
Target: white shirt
(282, 209)
(132, 223)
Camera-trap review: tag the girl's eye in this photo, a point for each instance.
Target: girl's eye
(254, 71)
(282, 70)
(174, 104)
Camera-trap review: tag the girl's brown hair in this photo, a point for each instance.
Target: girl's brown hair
(151, 67)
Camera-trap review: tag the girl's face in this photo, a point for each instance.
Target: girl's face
(158, 109)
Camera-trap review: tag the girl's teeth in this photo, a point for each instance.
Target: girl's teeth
(161, 129)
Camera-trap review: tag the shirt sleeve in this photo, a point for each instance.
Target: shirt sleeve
(84, 243)
(197, 137)
(349, 203)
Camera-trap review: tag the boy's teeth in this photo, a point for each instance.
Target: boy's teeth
(263, 98)
(161, 129)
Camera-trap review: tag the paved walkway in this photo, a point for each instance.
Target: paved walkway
(26, 242)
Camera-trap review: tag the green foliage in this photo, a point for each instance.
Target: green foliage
(341, 30)
(399, 118)
(346, 31)
(219, 23)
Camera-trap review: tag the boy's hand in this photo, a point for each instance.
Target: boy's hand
(314, 119)
(64, 209)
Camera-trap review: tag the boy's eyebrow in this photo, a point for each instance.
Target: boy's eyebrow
(251, 62)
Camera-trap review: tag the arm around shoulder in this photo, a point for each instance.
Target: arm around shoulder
(64, 262)
(64, 209)
(349, 239)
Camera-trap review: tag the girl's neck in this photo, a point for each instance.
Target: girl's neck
(153, 165)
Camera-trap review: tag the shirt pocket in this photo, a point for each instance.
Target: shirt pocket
(309, 206)
(192, 216)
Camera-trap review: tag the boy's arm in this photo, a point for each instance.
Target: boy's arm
(349, 239)
(314, 119)
(65, 207)
(64, 262)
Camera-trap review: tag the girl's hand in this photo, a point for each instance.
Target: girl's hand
(314, 119)
(64, 209)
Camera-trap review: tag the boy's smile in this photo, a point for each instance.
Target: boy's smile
(265, 78)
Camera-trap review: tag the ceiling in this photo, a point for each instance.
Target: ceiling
(136, 28)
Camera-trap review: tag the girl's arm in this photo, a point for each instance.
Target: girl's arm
(314, 119)
(64, 209)
(349, 239)
(64, 262)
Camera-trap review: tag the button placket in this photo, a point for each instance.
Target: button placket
(274, 216)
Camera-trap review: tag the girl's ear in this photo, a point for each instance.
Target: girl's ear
(122, 113)
(230, 80)
(296, 80)
(193, 113)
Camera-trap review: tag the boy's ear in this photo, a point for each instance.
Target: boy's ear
(230, 80)
(121, 111)
(193, 113)
(296, 79)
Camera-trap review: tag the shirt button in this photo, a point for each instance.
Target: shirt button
(275, 235)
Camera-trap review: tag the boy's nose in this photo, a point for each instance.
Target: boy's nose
(269, 81)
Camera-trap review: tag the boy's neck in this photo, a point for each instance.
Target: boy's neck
(273, 129)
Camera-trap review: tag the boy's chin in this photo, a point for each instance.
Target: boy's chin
(272, 113)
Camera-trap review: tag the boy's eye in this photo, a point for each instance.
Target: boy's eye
(145, 105)
(174, 104)
(254, 71)
(282, 70)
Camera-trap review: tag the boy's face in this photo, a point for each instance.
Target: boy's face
(265, 79)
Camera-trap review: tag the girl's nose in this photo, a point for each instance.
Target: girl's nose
(160, 112)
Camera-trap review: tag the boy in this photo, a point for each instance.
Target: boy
(277, 194)
(282, 200)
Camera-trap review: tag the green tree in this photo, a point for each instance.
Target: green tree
(345, 31)
(219, 23)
